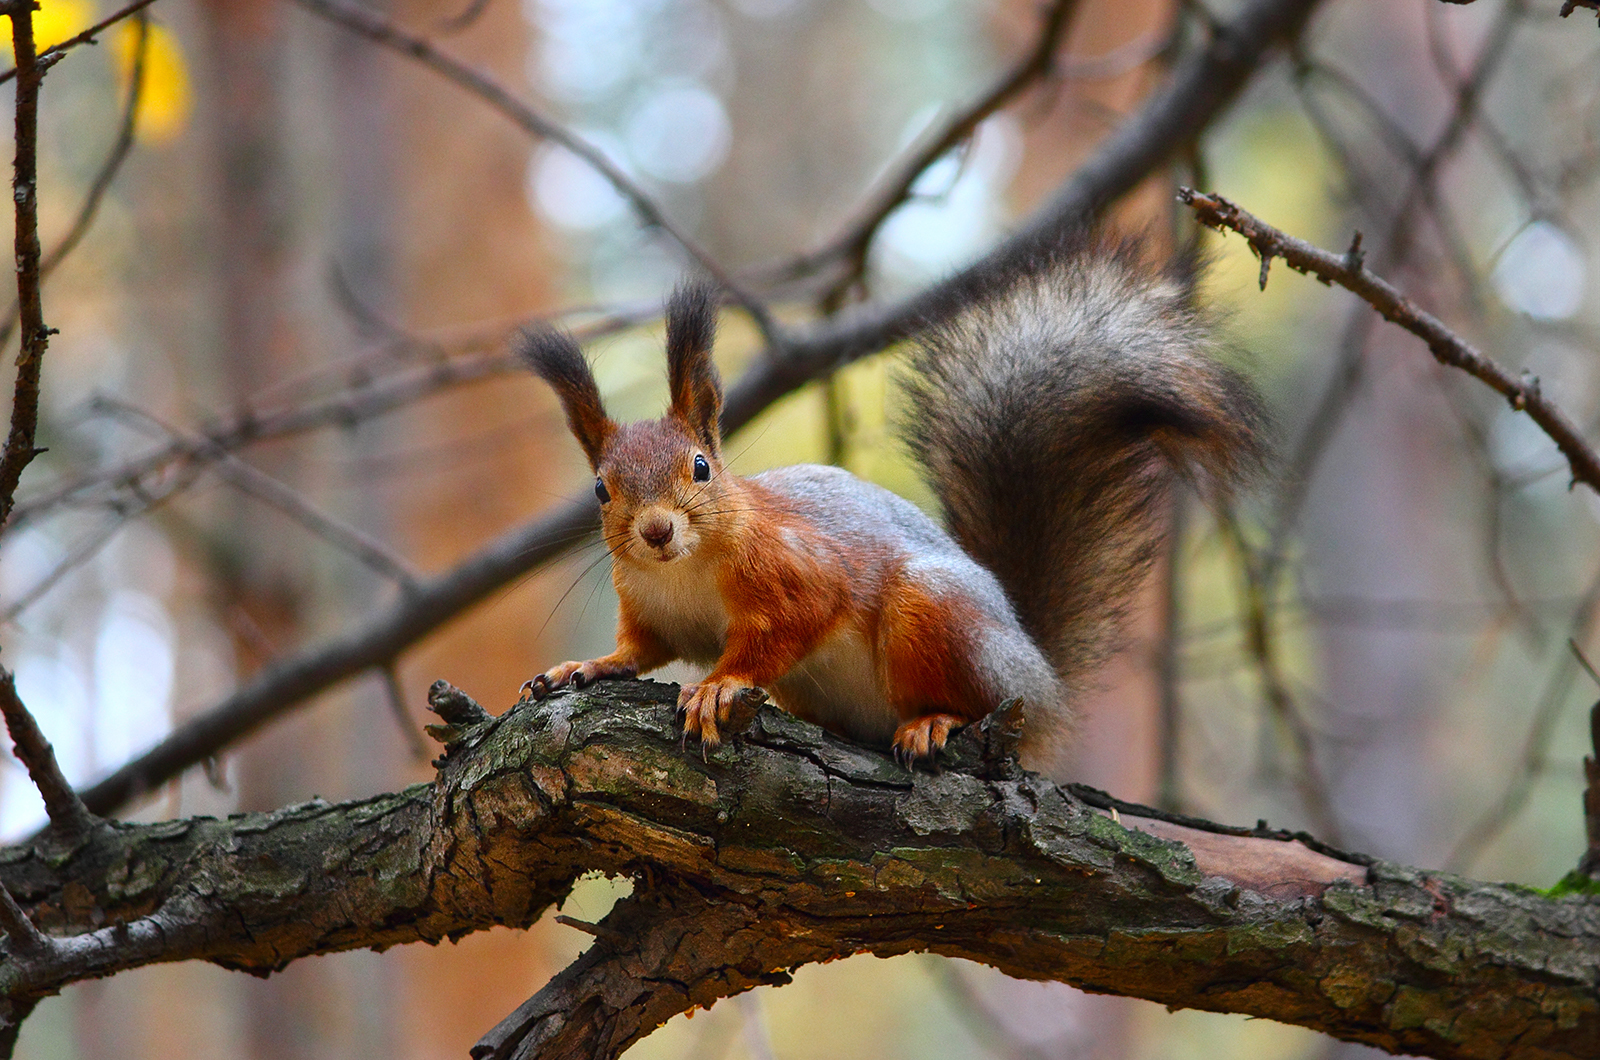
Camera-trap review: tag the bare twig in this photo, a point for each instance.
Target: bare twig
(81, 552)
(68, 815)
(1261, 645)
(22, 937)
(465, 18)
(1198, 90)
(1448, 348)
(1535, 746)
(170, 467)
(263, 487)
(380, 31)
(151, 473)
(19, 450)
(895, 187)
(103, 179)
(1394, 250)
(410, 732)
(87, 36)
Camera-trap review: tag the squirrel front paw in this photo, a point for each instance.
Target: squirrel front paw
(709, 706)
(923, 737)
(576, 674)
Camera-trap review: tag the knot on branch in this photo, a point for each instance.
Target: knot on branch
(1000, 735)
(462, 715)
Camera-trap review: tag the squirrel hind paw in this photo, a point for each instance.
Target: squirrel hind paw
(924, 737)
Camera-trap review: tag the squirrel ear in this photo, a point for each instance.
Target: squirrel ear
(696, 388)
(555, 357)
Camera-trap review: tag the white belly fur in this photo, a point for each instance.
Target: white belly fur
(837, 687)
(680, 603)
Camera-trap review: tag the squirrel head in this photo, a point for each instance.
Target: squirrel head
(660, 483)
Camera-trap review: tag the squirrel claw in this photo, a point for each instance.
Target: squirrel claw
(923, 737)
(576, 675)
(708, 707)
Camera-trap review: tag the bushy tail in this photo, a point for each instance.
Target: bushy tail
(1055, 413)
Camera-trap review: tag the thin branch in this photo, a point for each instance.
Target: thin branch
(68, 815)
(364, 399)
(1535, 746)
(1394, 250)
(1261, 645)
(467, 16)
(1589, 864)
(22, 938)
(409, 731)
(351, 540)
(87, 36)
(380, 31)
(81, 552)
(1350, 272)
(19, 450)
(894, 188)
(1198, 90)
(118, 154)
(127, 131)
(256, 483)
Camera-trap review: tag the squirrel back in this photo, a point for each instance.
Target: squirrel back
(1054, 413)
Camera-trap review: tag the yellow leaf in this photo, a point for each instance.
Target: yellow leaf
(164, 101)
(54, 22)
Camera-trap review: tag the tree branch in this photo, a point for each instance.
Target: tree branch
(1448, 348)
(68, 816)
(788, 846)
(120, 148)
(86, 37)
(894, 189)
(19, 450)
(366, 397)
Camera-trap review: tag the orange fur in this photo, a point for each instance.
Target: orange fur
(927, 651)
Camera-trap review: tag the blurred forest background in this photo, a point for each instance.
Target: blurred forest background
(1375, 647)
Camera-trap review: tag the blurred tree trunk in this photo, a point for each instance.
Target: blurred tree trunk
(469, 251)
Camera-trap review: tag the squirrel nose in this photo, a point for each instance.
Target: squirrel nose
(656, 532)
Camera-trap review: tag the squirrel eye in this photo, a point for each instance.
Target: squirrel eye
(702, 470)
(600, 490)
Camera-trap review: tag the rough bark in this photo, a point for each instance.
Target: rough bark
(787, 846)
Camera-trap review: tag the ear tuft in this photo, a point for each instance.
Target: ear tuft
(696, 388)
(554, 356)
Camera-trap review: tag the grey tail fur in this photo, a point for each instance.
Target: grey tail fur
(1055, 409)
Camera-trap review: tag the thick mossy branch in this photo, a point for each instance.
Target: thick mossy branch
(787, 846)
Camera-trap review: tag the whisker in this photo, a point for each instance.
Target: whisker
(575, 582)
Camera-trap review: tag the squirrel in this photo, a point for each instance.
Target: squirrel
(1054, 407)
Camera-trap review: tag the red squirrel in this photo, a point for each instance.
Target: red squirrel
(1053, 408)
